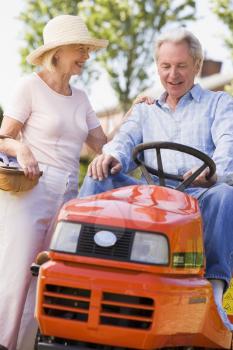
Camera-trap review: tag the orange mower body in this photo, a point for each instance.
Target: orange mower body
(127, 272)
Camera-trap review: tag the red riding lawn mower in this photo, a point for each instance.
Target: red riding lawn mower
(126, 270)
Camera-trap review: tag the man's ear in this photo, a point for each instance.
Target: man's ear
(198, 66)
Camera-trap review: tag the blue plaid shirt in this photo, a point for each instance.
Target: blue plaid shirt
(202, 119)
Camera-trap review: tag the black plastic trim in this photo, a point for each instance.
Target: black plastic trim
(100, 227)
(46, 346)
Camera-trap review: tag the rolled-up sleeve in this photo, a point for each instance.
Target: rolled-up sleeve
(128, 136)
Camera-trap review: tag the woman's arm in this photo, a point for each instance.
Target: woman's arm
(11, 128)
(12, 147)
(96, 139)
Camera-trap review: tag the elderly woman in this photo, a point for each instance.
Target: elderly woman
(48, 121)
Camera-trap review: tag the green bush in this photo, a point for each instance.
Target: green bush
(1, 115)
(84, 162)
(229, 88)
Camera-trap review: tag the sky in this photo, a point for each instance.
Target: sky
(210, 31)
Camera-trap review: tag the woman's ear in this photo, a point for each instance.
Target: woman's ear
(55, 59)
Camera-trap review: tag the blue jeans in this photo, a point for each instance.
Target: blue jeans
(216, 205)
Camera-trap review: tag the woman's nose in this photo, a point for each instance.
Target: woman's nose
(86, 54)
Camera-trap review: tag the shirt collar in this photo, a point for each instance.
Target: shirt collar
(195, 93)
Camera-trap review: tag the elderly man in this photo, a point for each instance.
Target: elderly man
(186, 114)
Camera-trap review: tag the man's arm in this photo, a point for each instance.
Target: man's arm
(96, 139)
(117, 154)
(222, 137)
(222, 134)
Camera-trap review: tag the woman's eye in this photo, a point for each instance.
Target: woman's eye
(81, 51)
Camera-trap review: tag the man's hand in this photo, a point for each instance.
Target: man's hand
(201, 180)
(101, 165)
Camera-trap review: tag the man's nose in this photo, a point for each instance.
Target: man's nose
(173, 72)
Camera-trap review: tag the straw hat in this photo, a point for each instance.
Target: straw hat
(65, 30)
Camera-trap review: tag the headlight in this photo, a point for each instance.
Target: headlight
(150, 248)
(65, 237)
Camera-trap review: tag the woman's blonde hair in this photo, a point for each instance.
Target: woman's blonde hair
(177, 36)
(48, 60)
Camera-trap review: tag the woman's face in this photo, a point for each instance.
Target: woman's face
(71, 58)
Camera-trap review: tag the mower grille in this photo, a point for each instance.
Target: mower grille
(114, 309)
(120, 250)
(66, 302)
(126, 311)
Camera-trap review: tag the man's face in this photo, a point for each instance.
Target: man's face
(176, 68)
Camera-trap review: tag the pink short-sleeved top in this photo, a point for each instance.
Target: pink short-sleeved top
(55, 126)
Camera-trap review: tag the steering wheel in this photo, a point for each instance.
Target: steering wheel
(146, 170)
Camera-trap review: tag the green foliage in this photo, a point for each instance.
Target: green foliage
(84, 162)
(229, 88)
(129, 25)
(224, 10)
(35, 16)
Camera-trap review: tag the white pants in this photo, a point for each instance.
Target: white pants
(26, 225)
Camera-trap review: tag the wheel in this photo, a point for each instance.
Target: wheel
(146, 170)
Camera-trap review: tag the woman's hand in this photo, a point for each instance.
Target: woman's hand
(13, 147)
(27, 161)
(147, 99)
(139, 99)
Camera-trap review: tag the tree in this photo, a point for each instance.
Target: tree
(35, 16)
(129, 25)
(224, 10)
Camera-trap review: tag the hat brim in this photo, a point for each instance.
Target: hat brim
(35, 57)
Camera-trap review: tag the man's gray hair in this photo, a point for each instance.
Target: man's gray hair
(177, 36)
